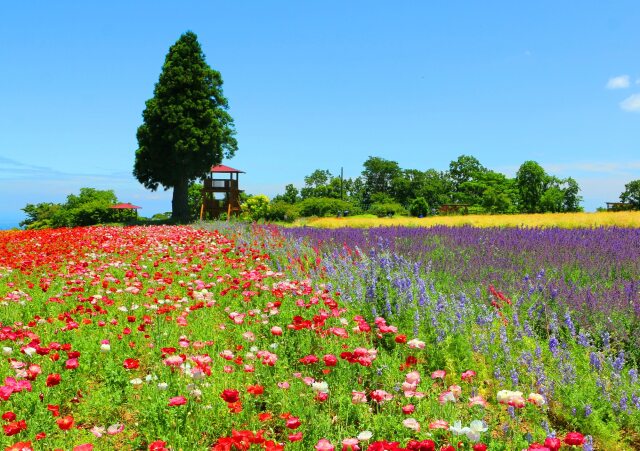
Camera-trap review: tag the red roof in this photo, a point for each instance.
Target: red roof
(126, 206)
(227, 169)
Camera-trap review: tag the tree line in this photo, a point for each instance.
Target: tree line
(384, 188)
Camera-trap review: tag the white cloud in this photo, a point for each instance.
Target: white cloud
(631, 103)
(619, 82)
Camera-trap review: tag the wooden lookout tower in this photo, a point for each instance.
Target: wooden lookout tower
(220, 195)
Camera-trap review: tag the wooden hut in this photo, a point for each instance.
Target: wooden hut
(220, 195)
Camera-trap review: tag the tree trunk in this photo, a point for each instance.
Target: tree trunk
(180, 202)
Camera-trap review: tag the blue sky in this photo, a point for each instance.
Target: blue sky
(324, 85)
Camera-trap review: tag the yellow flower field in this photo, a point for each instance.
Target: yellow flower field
(564, 220)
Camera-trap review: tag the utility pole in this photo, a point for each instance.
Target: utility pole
(341, 181)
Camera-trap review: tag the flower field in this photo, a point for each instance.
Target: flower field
(268, 339)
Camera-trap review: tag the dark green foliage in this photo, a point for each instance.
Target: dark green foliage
(195, 200)
(282, 211)
(40, 216)
(378, 175)
(324, 206)
(531, 179)
(387, 209)
(186, 128)
(631, 194)
(89, 207)
(466, 182)
(419, 207)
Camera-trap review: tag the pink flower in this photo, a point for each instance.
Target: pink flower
(358, 397)
(177, 401)
(412, 424)
(324, 445)
(350, 444)
(438, 374)
(408, 409)
(276, 330)
(439, 424)
(381, 396)
(468, 375)
(477, 401)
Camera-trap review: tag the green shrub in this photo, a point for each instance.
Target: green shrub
(387, 209)
(419, 207)
(282, 211)
(325, 206)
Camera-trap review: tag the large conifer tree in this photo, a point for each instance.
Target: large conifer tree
(186, 127)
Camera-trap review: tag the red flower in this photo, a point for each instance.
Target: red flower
(83, 447)
(65, 423)
(308, 360)
(553, 443)
(293, 422)
(14, 428)
(158, 445)
(8, 416)
(255, 390)
(71, 364)
(400, 338)
(54, 409)
(265, 416)
(131, 364)
(295, 437)
(230, 396)
(177, 401)
(424, 445)
(330, 360)
(479, 447)
(20, 446)
(574, 438)
(53, 380)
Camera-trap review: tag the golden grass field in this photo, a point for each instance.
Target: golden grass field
(564, 220)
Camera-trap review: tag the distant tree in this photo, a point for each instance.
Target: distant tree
(419, 207)
(378, 176)
(256, 207)
(40, 216)
(464, 169)
(186, 128)
(89, 207)
(195, 200)
(530, 180)
(290, 195)
(552, 200)
(571, 200)
(631, 194)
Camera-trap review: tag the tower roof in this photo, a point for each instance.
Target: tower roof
(225, 169)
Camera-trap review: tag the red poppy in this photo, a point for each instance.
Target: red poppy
(293, 422)
(65, 423)
(553, 443)
(230, 396)
(255, 390)
(20, 446)
(131, 364)
(14, 427)
(53, 380)
(177, 401)
(8, 416)
(158, 445)
(574, 438)
(479, 447)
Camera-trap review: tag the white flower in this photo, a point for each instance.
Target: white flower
(476, 428)
(136, 382)
(29, 351)
(536, 399)
(457, 428)
(163, 386)
(365, 435)
(411, 423)
(320, 387)
(105, 347)
(6, 350)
